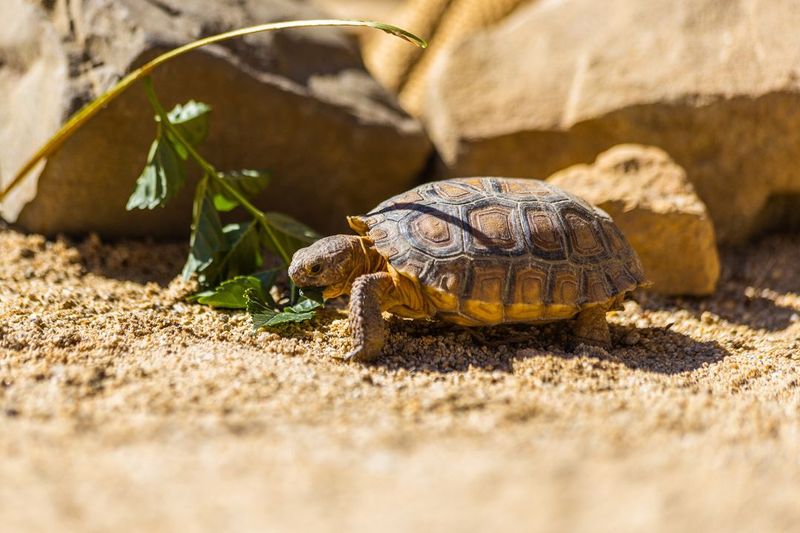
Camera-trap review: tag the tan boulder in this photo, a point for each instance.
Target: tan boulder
(444, 23)
(33, 73)
(299, 103)
(715, 83)
(655, 206)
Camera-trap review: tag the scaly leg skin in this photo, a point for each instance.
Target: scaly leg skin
(591, 327)
(366, 322)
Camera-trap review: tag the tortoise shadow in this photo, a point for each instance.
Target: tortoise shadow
(441, 349)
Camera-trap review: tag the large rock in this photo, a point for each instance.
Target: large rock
(298, 103)
(405, 69)
(716, 83)
(655, 206)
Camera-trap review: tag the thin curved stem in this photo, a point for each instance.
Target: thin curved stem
(83, 116)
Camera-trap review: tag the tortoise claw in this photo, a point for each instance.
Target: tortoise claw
(361, 355)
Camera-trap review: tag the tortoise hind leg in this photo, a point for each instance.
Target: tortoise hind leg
(591, 327)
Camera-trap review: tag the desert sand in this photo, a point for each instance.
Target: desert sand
(123, 408)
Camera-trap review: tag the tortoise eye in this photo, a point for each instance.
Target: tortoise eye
(316, 269)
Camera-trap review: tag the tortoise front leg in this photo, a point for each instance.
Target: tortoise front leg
(370, 292)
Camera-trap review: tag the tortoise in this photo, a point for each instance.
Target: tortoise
(475, 252)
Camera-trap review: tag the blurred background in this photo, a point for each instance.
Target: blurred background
(344, 119)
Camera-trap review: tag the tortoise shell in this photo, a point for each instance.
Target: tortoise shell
(493, 250)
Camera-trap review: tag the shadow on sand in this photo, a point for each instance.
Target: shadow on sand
(752, 279)
(437, 348)
(136, 261)
(734, 305)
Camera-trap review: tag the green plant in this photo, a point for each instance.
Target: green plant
(218, 255)
(227, 260)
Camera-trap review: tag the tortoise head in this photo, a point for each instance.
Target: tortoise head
(331, 264)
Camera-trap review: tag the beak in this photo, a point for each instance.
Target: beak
(292, 271)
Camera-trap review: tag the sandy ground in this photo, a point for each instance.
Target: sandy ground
(122, 408)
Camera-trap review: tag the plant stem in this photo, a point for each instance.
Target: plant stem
(83, 116)
(268, 228)
(210, 170)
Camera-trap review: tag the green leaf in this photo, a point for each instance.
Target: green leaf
(208, 241)
(246, 182)
(195, 298)
(162, 178)
(243, 251)
(303, 306)
(300, 312)
(290, 234)
(191, 120)
(264, 317)
(239, 254)
(165, 173)
(258, 310)
(231, 294)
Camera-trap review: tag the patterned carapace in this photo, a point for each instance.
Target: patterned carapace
(494, 250)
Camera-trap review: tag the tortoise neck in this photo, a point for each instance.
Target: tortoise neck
(365, 260)
(369, 259)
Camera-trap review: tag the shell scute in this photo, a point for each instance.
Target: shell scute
(594, 287)
(492, 229)
(618, 275)
(543, 233)
(434, 230)
(565, 285)
(613, 236)
(456, 193)
(410, 197)
(528, 284)
(527, 189)
(413, 263)
(479, 184)
(487, 282)
(583, 234)
(450, 275)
